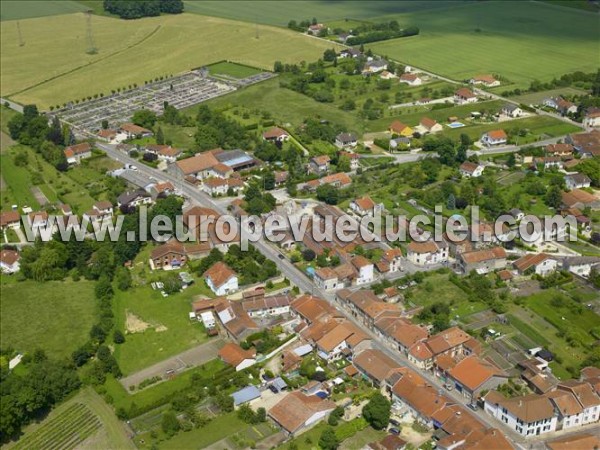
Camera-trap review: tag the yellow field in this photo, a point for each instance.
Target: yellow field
(53, 67)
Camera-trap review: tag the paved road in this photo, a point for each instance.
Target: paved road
(12, 105)
(190, 358)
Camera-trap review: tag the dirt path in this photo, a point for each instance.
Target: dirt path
(190, 358)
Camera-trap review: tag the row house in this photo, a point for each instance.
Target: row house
(483, 261)
(390, 262)
(399, 333)
(427, 252)
(365, 306)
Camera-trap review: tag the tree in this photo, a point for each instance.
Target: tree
(335, 416)
(224, 402)
(160, 137)
(308, 254)
(123, 278)
(329, 55)
(104, 124)
(169, 423)
(377, 411)
(328, 194)
(144, 118)
(328, 439)
(246, 414)
(118, 337)
(553, 197)
(261, 414)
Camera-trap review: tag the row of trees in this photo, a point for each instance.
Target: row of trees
(135, 9)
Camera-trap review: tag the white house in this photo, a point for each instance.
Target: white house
(215, 186)
(276, 134)
(412, 79)
(494, 137)
(427, 125)
(577, 181)
(365, 206)
(471, 170)
(364, 268)
(208, 319)
(561, 105)
(9, 261)
(539, 263)
(133, 131)
(464, 95)
(582, 265)
(385, 75)
(75, 153)
(426, 253)
(326, 279)
(275, 305)
(486, 80)
(511, 110)
(587, 398)
(592, 118)
(345, 140)
(529, 415)
(134, 199)
(221, 279)
(319, 164)
(375, 66)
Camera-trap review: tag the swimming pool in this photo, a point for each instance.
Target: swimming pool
(455, 125)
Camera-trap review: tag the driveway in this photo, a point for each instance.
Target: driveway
(190, 358)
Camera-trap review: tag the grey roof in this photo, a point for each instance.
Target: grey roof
(399, 140)
(303, 350)
(580, 260)
(377, 63)
(579, 178)
(509, 107)
(279, 384)
(245, 395)
(127, 197)
(346, 137)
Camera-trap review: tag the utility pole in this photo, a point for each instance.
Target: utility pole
(91, 50)
(21, 41)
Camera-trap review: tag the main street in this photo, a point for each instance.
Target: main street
(293, 274)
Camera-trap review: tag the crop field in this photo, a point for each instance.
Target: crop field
(84, 421)
(520, 42)
(25, 9)
(286, 10)
(53, 66)
(66, 431)
(55, 316)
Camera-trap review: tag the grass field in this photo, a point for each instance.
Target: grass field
(520, 42)
(264, 12)
(55, 316)
(170, 329)
(160, 393)
(232, 70)
(536, 98)
(53, 66)
(19, 9)
(85, 421)
(283, 104)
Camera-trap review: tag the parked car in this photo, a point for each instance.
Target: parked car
(394, 430)
(473, 406)
(449, 387)
(394, 422)
(280, 256)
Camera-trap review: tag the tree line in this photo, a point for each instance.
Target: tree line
(135, 9)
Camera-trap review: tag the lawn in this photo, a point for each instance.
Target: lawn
(160, 393)
(55, 316)
(284, 105)
(345, 431)
(70, 187)
(170, 330)
(520, 42)
(232, 70)
(85, 419)
(133, 51)
(436, 288)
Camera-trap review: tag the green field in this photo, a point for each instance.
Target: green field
(20, 9)
(232, 70)
(55, 316)
(536, 98)
(169, 331)
(265, 12)
(132, 52)
(520, 41)
(85, 421)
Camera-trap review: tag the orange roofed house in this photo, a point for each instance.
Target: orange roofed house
(297, 411)
(134, 131)
(221, 279)
(464, 95)
(75, 153)
(236, 356)
(473, 375)
(494, 137)
(427, 252)
(486, 80)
